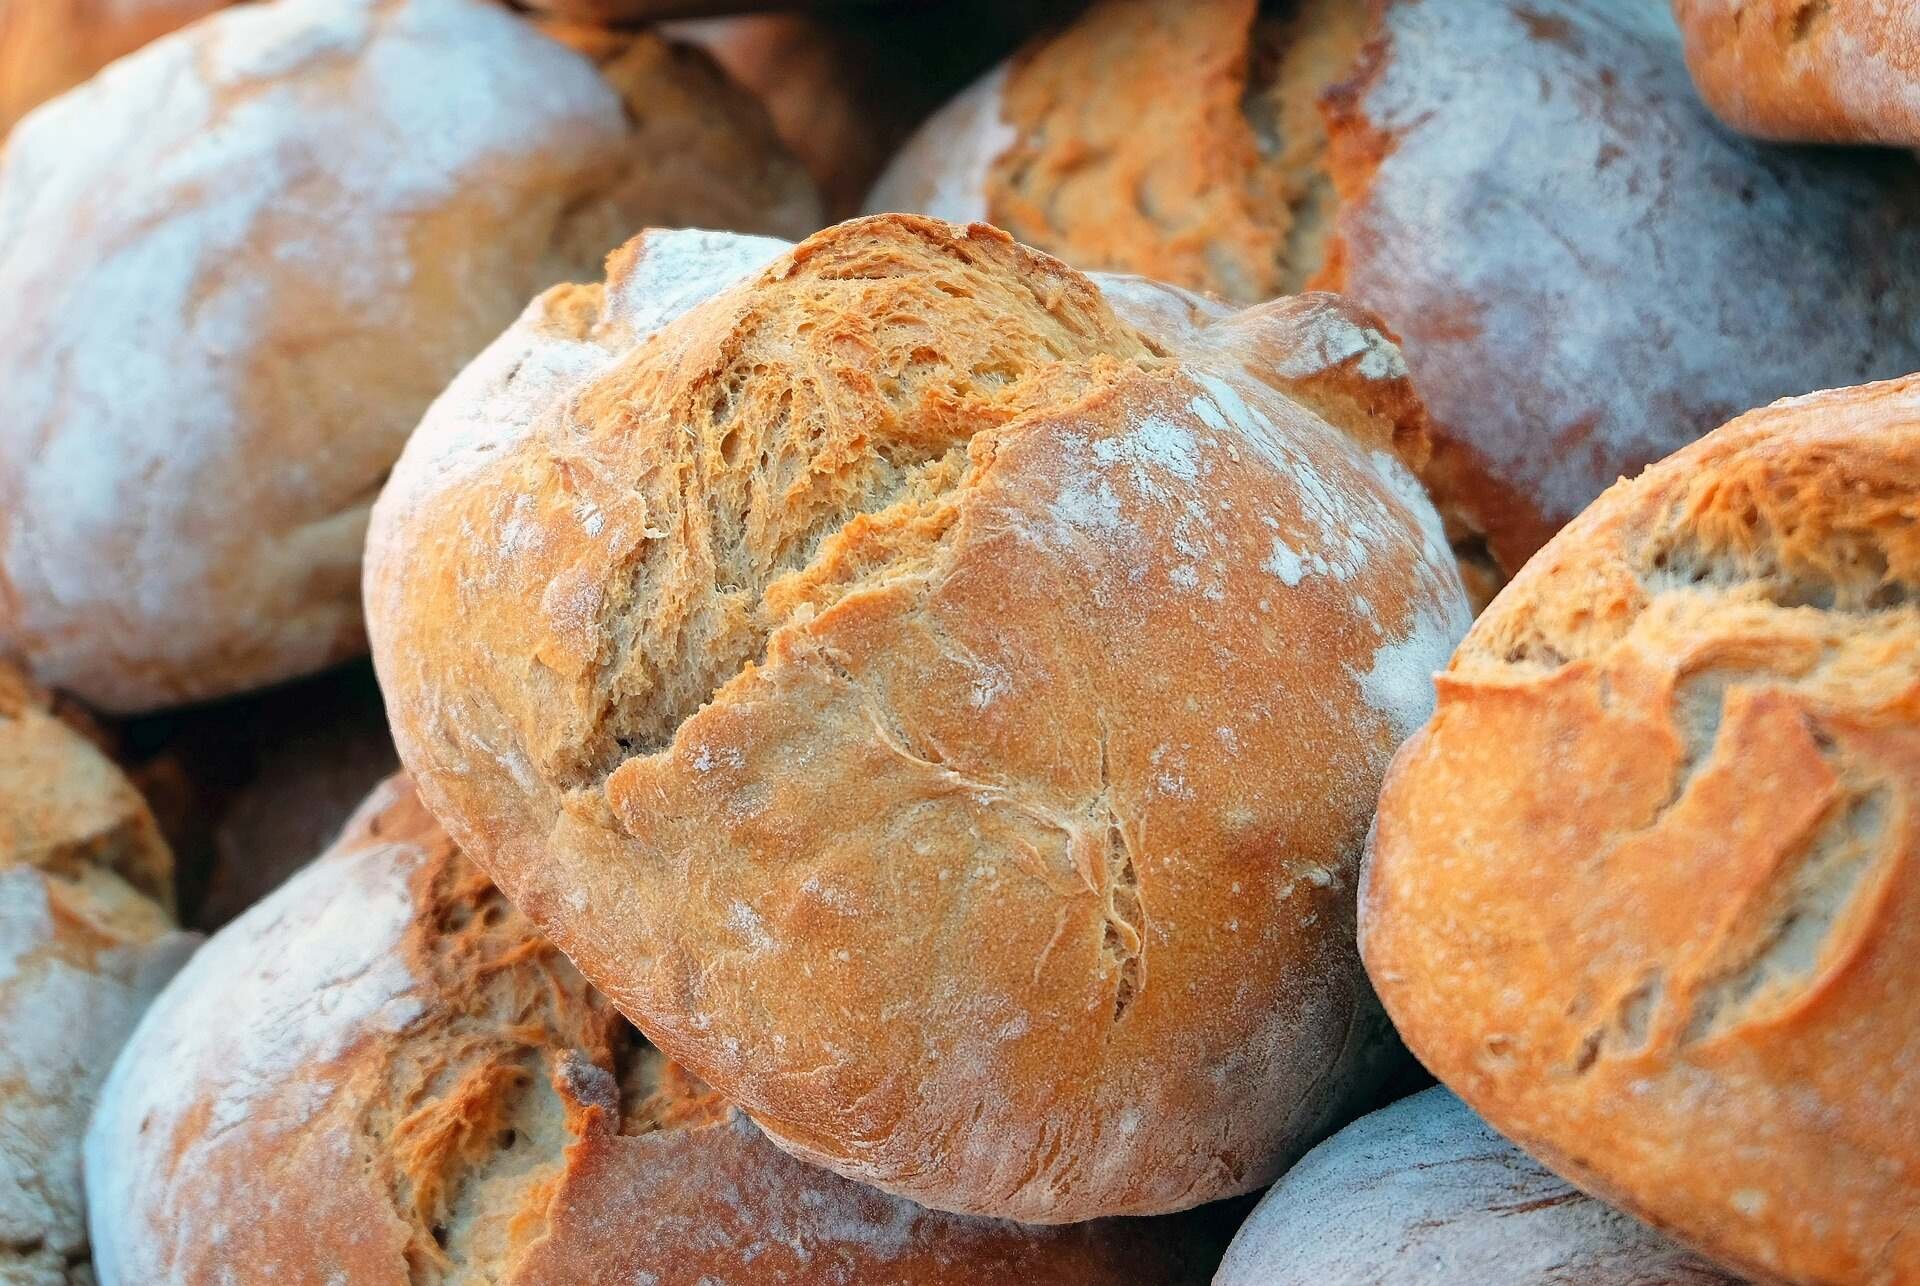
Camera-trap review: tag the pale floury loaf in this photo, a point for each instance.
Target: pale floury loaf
(239, 264)
(938, 696)
(1423, 1191)
(1646, 890)
(85, 941)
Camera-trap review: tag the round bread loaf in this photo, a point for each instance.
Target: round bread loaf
(383, 1074)
(1423, 1192)
(47, 46)
(904, 620)
(85, 940)
(237, 267)
(1646, 891)
(1531, 194)
(1808, 70)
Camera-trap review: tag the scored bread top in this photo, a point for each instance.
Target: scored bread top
(239, 263)
(382, 1073)
(1806, 70)
(909, 620)
(1652, 873)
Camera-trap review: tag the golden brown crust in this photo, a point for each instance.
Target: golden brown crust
(49, 46)
(1811, 71)
(920, 623)
(1179, 141)
(1646, 892)
(1529, 235)
(435, 1096)
(63, 804)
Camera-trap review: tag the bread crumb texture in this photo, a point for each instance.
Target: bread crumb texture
(383, 1073)
(279, 233)
(1529, 235)
(85, 941)
(939, 697)
(1649, 875)
(1809, 70)
(1424, 1191)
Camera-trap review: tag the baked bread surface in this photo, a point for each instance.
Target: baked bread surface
(907, 620)
(1645, 891)
(1585, 270)
(383, 1074)
(240, 263)
(1806, 71)
(85, 941)
(1423, 1191)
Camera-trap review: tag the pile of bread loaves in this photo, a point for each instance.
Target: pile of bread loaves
(954, 745)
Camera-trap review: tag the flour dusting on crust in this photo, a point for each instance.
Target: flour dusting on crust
(1425, 1191)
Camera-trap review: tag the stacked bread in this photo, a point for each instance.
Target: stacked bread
(86, 938)
(921, 761)
(1531, 195)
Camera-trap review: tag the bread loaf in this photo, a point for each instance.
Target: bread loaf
(1808, 70)
(48, 46)
(85, 940)
(1646, 891)
(1585, 270)
(382, 1074)
(241, 262)
(906, 619)
(1423, 1192)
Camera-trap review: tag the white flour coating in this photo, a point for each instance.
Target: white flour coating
(273, 147)
(1424, 1191)
(62, 1026)
(292, 983)
(942, 170)
(1588, 270)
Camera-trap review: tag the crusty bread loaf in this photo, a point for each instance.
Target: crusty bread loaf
(1808, 70)
(1423, 1192)
(48, 46)
(908, 620)
(1586, 271)
(1646, 891)
(237, 266)
(382, 1074)
(85, 940)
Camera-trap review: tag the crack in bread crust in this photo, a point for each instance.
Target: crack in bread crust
(1681, 751)
(860, 550)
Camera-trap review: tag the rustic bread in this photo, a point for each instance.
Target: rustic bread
(1424, 1192)
(907, 620)
(85, 940)
(1646, 891)
(48, 46)
(383, 1074)
(240, 263)
(1585, 269)
(1808, 70)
